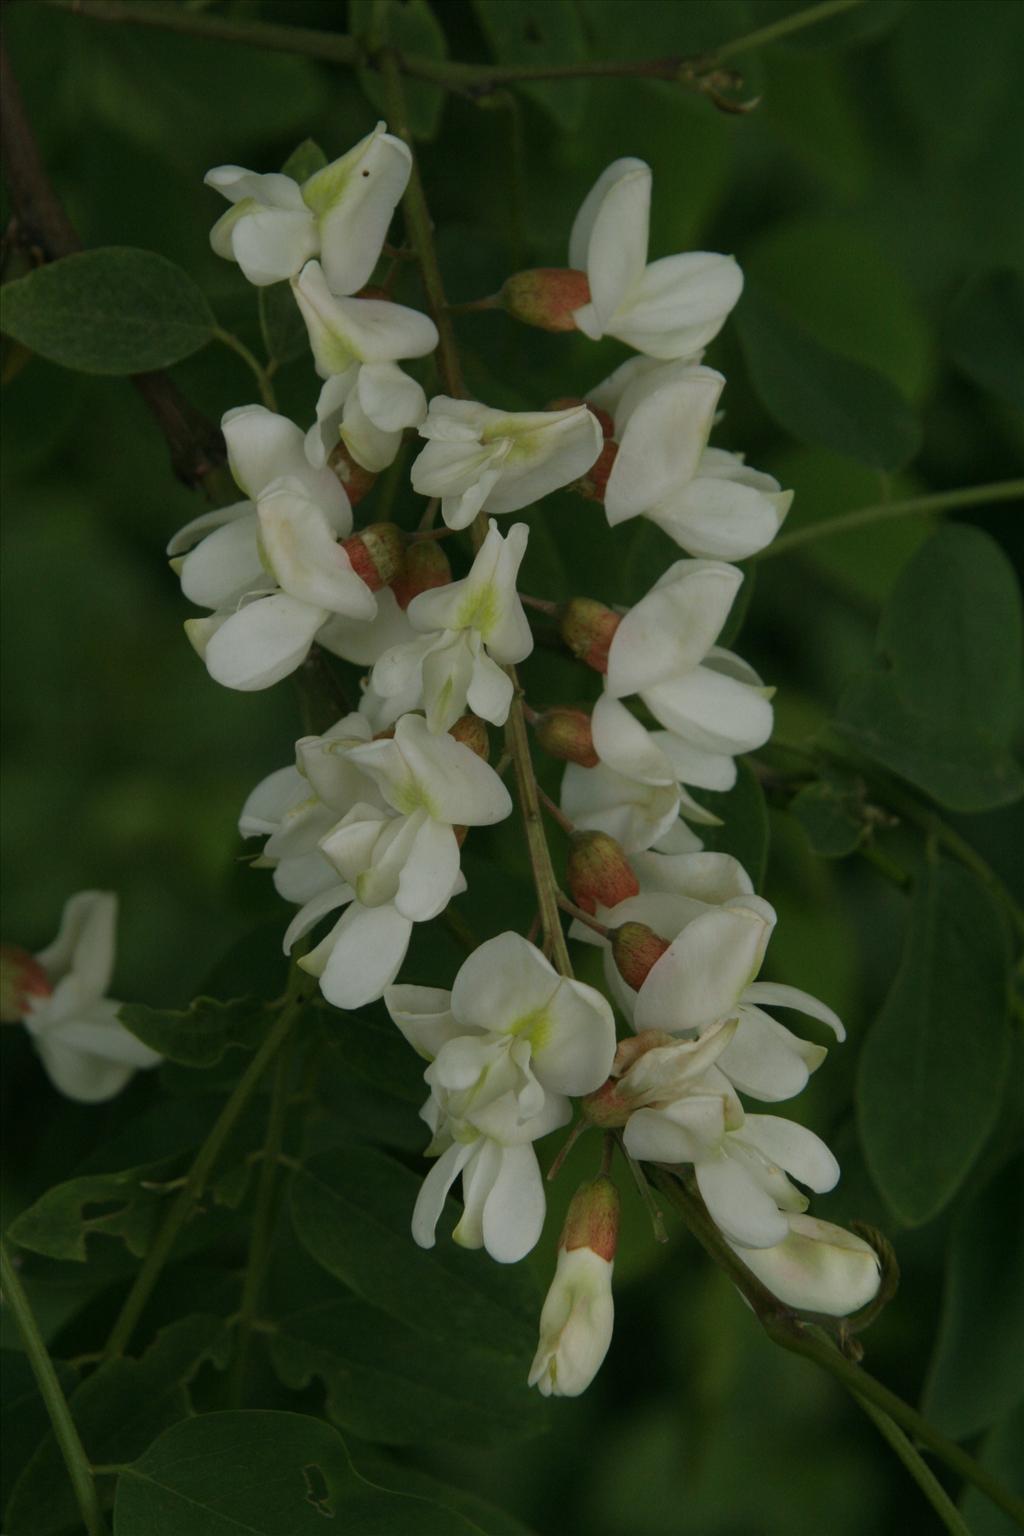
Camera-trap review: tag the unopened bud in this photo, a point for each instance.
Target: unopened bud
(588, 629)
(472, 732)
(426, 566)
(595, 482)
(598, 872)
(377, 554)
(610, 1106)
(635, 949)
(546, 297)
(356, 480)
(565, 733)
(592, 1220)
(21, 979)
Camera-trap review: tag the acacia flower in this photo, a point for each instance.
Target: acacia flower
(469, 631)
(505, 1047)
(86, 1051)
(367, 408)
(578, 1316)
(344, 331)
(668, 308)
(817, 1267)
(341, 214)
(479, 459)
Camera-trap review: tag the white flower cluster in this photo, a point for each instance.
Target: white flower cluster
(367, 825)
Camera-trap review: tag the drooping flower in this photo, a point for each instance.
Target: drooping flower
(271, 567)
(374, 332)
(86, 1051)
(817, 1267)
(398, 863)
(705, 499)
(578, 1316)
(470, 630)
(505, 1047)
(341, 214)
(479, 459)
(668, 308)
(366, 408)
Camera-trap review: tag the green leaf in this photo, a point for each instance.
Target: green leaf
(975, 1376)
(938, 707)
(1000, 1455)
(863, 23)
(23, 1417)
(199, 1035)
(411, 27)
(118, 1410)
(375, 1051)
(264, 1474)
(821, 397)
(536, 32)
(304, 161)
(114, 310)
(382, 1468)
(744, 829)
(130, 1201)
(933, 1061)
(388, 1383)
(831, 812)
(351, 1210)
(984, 334)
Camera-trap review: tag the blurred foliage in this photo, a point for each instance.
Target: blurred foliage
(869, 198)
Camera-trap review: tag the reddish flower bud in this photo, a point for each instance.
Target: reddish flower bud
(546, 297)
(356, 480)
(377, 554)
(598, 872)
(21, 979)
(588, 629)
(611, 1105)
(592, 1220)
(426, 566)
(635, 949)
(565, 733)
(472, 732)
(595, 482)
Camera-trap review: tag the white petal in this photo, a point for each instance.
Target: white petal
(711, 877)
(344, 331)
(513, 1215)
(89, 1079)
(205, 523)
(720, 519)
(262, 642)
(390, 398)
(817, 1267)
(794, 1148)
(490, 691)
(609, 235)
(424, 1016)
(669, 632)
(744, 1212)
(301, 548)
(225, 565)
(700, 977)
(434, 1191)
(271, 244)
(236, 183)
(336, 895)
(85, 943)
(354, 198)
(774, 995)
(428, 878)
(574, 1045)
(712, 711)
(271, 800)
(636, 815)
(364, 640)
(503, 982)
(662, 442)
(766, 1061)
(626, 746)
(678, 304)
(369, 947)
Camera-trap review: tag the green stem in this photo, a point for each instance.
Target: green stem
(918, 1468)
(795, 22)
(517, 739)
(64, 1429)
(198, 1176)
(791, 1333)
(474, 80)
(883, 511)
(262, 377)
(261, 1241)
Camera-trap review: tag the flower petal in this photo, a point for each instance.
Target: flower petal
(369, 947)
(513, 1213)
(699, 978)
(262, 642)
(609, 239)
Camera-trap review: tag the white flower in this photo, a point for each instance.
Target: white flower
(669, 308)
(576, 1324)
(398, 863)
(579, 1313)
(367, 408)
(707, 974)
(506, 1046)
(479, 459)
(294, 807)
(88, 1054)
(472, 629)
(344, 331)
(341, 213)
(663, 651)
(818, 1267)
(705, 499)
(637, 813)
(271, 567)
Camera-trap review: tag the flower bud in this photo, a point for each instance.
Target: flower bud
(578, 1315)
(635, 950)
(818, 1267)
(595, 482)
(598, 872)
(471, 731)
(610, 1106)
(588, 629)
(426, 566)
(355, 479)
(377, 554)
(546, 297)
(565, 733)
(21, 979)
